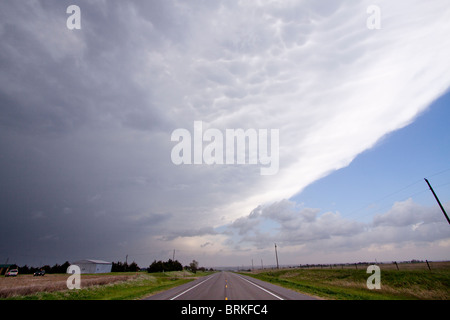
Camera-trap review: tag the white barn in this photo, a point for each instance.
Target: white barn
(93, 266)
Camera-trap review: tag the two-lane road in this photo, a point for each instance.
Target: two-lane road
(229, 286)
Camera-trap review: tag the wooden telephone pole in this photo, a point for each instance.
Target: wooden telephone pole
(276, 255)
(437, 199)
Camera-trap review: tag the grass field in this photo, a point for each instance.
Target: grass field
(409, 282)
(112, 286)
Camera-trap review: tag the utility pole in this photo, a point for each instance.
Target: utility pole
(276, 255)
(173, 256)
(437, 199)
(252, 264)
(262, 267)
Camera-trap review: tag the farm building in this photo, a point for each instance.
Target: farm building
(93, 266)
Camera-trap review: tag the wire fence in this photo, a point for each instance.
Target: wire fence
(391, 265)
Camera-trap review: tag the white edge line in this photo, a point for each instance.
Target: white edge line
(261, 288)
(190, 288)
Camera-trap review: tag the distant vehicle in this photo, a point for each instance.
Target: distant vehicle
(12, 273)
(39, 273)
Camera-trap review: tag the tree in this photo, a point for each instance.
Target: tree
(120, 267)
(117, 267)
(133, 267)
(46, 268)
(155, 267)
(193, 266)
(64, 267)
(160, 266)
(24, 270)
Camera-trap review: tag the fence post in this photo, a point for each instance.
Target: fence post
(396, 265)
(429, 268)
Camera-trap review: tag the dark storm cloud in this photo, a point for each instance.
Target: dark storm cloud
(56, 80)
(66, 165)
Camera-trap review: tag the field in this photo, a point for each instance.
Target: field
(111, 286)
(404, 281)
(349, 282)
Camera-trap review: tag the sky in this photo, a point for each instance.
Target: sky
(360, 100)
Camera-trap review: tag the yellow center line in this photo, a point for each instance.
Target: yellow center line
(226, 286)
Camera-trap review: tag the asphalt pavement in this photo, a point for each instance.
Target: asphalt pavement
(229, 286)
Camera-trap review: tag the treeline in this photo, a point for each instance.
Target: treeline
(156, 266)
(124, 267)
(62, 268)
(160, 266)
(171, 265)
(57, 268)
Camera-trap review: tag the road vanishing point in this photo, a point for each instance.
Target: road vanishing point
(229, 286)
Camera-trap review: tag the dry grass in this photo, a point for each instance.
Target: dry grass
(28, 284)
(434, 265)
(410, 281)
(402, 266)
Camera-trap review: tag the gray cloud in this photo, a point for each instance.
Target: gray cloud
(295, 225)
(190, 233)
(404, 223)
(405, 214)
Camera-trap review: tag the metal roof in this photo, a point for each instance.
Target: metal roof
(91, 261)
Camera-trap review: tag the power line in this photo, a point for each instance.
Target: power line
(356, 211)
(438, 173)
